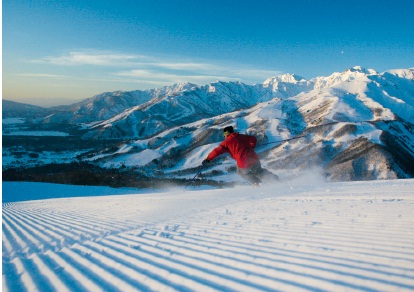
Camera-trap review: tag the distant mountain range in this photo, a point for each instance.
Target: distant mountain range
(11, 109)
(357, 125)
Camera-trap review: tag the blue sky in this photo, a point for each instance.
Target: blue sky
(77, 49)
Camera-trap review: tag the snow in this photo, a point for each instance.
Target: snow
(138, 159)
(196, 158)
(282, 107)
(298, 235)
(16, 127)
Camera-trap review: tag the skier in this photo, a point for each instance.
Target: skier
(241, 148)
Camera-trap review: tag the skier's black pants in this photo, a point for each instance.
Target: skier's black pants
(256, 174)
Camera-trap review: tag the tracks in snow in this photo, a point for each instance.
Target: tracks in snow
(134, 243)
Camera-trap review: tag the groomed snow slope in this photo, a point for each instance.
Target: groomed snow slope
(296, 236)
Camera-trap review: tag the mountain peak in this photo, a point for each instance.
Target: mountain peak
(287, 78)
(359, 69)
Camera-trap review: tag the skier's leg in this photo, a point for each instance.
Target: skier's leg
(269, 176)
(263, 174)
(248, 175)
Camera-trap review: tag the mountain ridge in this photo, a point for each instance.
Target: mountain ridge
(357, 125)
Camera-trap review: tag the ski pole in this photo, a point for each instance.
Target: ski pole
(198, 172)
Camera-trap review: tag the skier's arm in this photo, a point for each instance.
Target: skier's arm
(217, 152)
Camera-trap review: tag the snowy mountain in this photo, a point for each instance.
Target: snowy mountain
(180, 108)
(357, 125)
(107, 105)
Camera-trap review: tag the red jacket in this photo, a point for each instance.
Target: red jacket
(240, 147)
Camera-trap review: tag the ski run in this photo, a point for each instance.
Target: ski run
(302, 235)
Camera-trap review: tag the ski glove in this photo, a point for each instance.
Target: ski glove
(205, 162)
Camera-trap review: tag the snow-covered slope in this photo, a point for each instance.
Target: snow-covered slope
(288, 85)
(106, 105)
(303, 235)
(357, 124)
(377, 96)
(181, 108)
(140, 114)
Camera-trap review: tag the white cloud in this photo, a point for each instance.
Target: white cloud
(186, 66)
(42, 75)
(91, 58)
(143, 68)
